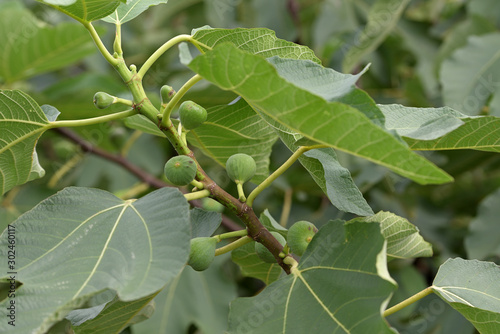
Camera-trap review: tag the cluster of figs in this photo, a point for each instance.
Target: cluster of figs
(181, 170)
(298, 238)
(240, 167)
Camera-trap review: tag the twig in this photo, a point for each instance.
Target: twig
(152, 181)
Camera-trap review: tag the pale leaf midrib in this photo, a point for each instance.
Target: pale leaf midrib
(70, 234)
(104, 249)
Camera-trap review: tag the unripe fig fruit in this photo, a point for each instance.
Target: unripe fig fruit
(300, 235)
(202, 253)
(166, 93)
(240, 167)
(103, 100)
(264, 253)
(180, 170)
(192, 115)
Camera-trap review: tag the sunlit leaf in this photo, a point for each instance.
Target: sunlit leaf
(403, 238)
(259, 41)
(85, 10)
(480, 133)
(330, 123)
(130, 10)
(82, 241)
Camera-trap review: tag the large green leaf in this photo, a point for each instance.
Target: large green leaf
(471, 287)
(82, 241)
(479, 63)
(329, 84)
(115, 316)
(325, 169)
(442, 128)
(484, 231)
(235, 129)
(22, 122)
(259, 41)
(130, 10)
(479, 133)
(403, 238)
(330, 123)
(319, 295)
(85, 10)
(323, 165)
(382, 18)
(193, 298)
(421, 123)
(32, 47)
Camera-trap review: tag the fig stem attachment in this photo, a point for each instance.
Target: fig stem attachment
(197, 195)
(233, 245)
(241, 193)
(416, 297)
(123, 101)
(183, 137)
(197, 184)
(92, 121)
(177, 97)
(117, 45)
(234, 234)
(161, 50)
(291, 262)
(267, 182)
(97, 40)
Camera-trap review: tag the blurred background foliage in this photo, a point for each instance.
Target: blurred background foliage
(420, 63)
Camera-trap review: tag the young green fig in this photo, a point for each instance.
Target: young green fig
(180, 170)
(103, 100)
(192, 115)
(240, 167)
(202, 253)
(264, 253)
(300, 235)
(166, 93)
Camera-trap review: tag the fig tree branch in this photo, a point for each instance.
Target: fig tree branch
(135, 170)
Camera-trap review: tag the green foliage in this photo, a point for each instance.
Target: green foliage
(92, 228)
(32, 48)
(114, 258)
(474, 292)
(22, 123)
